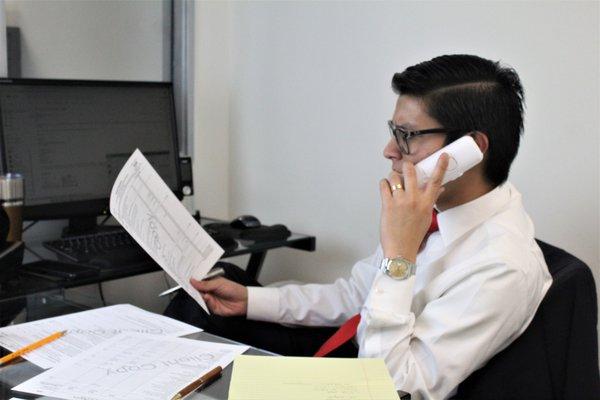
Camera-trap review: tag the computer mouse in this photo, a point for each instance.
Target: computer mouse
(245, 222)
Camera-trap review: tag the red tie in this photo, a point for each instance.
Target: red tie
(347, 331)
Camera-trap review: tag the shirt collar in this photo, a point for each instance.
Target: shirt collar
(457, 221)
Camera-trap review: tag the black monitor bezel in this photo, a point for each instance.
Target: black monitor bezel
(93, 207)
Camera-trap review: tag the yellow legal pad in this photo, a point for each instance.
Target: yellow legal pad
(290, 378)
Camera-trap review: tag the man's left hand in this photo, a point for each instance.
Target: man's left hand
(406, 211)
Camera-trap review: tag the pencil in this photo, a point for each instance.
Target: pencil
(198, 383)
(31, 346)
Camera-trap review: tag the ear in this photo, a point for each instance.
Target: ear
(482, 140)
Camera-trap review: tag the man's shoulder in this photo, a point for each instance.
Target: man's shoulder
(508, 244)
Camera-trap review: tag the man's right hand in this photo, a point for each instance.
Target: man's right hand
(222, 296)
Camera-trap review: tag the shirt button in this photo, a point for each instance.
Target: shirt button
(378, 290)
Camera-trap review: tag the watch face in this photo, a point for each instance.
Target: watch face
(398, 268)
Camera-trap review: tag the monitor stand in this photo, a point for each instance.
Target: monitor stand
(85, 226)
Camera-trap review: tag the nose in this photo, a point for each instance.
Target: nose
(391, 151)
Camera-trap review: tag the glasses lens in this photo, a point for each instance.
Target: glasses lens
(400, 137)
(403, 142)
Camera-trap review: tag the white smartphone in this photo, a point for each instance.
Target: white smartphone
(464, 155)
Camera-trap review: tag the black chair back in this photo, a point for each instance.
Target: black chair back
(557, 355)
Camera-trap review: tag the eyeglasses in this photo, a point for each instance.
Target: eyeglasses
(402, 135)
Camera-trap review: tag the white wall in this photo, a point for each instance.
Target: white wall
(95, 39)
(92, 39)
(212, 59)
(309, 94)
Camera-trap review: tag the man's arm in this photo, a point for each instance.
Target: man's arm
(314, 304)
(310, 304)
(483, 305)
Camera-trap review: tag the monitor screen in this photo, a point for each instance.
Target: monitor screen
(69, 139)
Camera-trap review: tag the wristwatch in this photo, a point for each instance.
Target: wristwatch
(398, 268)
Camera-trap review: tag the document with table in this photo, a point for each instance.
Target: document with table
(134, 367)
(145, 206)
(86, 329)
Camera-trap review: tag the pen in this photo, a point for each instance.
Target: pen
(213, 273)
(204, 380)
(31, 346)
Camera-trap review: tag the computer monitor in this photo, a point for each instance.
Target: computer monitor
(69, 139)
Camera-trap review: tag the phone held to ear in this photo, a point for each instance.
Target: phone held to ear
(464, 155)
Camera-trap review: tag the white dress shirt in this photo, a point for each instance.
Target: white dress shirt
(478, 284)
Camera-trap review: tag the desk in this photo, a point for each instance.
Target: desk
(23, 285)
(15, 373)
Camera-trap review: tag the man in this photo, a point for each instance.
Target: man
(478, 280)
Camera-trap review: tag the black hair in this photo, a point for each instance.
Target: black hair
(470, 93)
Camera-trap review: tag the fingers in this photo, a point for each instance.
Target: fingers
(385, 191)
(406, 183)
(210, 301)
(395, 178)
(394, 183)
(410, 177)
(207, 286)
(435, 183)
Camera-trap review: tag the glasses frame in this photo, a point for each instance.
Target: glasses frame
(402, 136)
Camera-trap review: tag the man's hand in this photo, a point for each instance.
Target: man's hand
(223, 297)
(406, 212)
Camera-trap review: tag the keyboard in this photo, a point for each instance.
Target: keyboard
(110, 249)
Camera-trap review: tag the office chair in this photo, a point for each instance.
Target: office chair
(557, 355)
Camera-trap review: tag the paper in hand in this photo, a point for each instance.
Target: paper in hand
(146, 207)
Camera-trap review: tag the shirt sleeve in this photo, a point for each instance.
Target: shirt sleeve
(315, 304)
(483, 309)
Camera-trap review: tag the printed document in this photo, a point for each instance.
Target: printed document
(133, 367)
(145, 206)
(298, 378)
(86, 329)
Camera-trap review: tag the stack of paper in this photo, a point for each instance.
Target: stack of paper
(299, 378)
(133, 367)
(123, 352)
(86, 329)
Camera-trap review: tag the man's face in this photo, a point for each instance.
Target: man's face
(410, 114)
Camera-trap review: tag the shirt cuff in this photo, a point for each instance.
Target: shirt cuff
(263, 304)
(392, 296)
